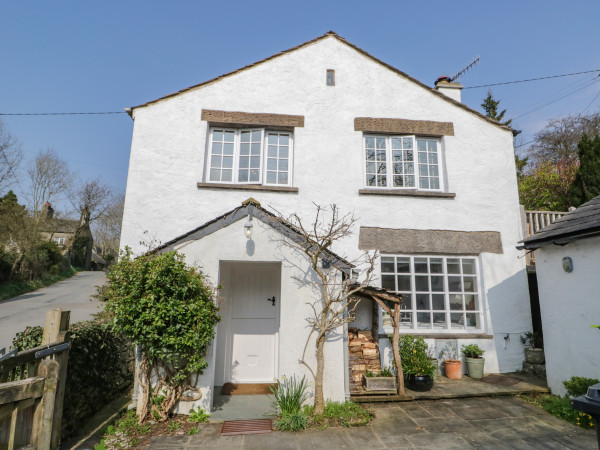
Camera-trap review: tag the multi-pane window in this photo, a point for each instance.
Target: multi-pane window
(278, 157)
(438, 292)
(392, 162)
(243, 156)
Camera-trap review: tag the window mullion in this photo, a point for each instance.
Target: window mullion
(236, 156)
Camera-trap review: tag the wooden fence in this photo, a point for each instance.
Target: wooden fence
(32, 388)
(535, 221)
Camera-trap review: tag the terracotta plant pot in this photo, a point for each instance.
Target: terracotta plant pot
(419, 383)
(453, 369)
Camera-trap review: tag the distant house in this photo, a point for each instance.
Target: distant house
(432, 181)
(568, 270)
(61, 231)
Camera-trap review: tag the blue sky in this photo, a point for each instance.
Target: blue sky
(103, 56)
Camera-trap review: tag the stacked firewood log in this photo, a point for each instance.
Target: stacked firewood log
(364, 355)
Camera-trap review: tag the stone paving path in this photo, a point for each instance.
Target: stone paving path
(489, 423)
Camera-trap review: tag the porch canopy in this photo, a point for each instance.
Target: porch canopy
(389, 301)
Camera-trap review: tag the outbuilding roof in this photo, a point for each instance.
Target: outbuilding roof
(580, 223)
(251, 208)
(312, 41)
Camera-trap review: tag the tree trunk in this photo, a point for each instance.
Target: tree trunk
(396, 349)
(319, 400)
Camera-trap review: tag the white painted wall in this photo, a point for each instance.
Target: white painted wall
(168, 159)
(293, 331)
(569, 304)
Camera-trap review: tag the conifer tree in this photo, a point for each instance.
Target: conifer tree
(490, 106)
(586, 185)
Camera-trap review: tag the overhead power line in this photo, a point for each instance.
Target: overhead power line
(532, 79)
(62, 113)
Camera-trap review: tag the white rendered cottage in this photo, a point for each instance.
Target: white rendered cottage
(567, 260)
(432, 181)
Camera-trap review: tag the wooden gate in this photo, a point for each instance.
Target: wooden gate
(32, 388)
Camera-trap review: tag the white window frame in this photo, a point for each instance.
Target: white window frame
(236, 156)
(389, 163)
(447, 329)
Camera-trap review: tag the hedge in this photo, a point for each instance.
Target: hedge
(100, 368)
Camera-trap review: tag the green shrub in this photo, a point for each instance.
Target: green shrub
(290, 394)
(472, 351)
(169, 310)
(413, 354)
(577, 386)
(97, 371)
(560, 407)
(386, 372)
(533, 338)
(199, 416)
(295, 421)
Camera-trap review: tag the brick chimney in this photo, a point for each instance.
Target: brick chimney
(445, 85)
(47, 211)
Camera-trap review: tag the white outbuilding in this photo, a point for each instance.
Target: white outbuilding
(567, 259)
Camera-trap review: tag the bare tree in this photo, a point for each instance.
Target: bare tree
(558, 140)
(93, 197)
(335, 305)
(10, 157)
(107, 229)
(50, 179)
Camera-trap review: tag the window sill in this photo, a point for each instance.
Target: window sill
(406, 193)
(440, 335)
(248, 187)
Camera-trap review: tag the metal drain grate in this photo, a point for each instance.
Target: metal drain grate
(258, 426)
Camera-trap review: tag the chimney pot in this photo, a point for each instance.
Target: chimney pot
(445, 86)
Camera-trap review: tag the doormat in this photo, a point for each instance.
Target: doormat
(500, 380)
(258, 426)
(247, 389)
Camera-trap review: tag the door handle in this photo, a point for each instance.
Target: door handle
(272, 300)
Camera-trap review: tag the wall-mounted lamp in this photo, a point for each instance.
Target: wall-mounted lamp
(326, 264)
(354, 275)
(567, 264)
(248, 227)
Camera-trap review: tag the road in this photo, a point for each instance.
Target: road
(73, 294)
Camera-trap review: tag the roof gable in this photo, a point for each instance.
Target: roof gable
(329, 34)
(253, 209)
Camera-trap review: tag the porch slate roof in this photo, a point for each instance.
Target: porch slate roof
(581, 223)
(253, 208)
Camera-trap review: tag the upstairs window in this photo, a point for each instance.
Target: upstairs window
(250, 156)
(402, 162)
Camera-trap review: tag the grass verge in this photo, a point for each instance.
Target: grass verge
(336, 414)
(15, 288)
(560, 407)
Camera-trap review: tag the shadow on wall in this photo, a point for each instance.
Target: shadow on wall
(509, 317)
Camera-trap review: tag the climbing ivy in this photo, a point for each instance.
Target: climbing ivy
(169, 310)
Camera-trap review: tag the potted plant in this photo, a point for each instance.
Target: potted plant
(534, 354)
(418, 369)
(452, 365)
(473, 356)
(382, 381)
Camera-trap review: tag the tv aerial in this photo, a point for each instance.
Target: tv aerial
(460, 73)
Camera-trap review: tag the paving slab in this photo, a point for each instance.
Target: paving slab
(417, 425)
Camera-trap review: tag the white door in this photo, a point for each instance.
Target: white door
(254, 325)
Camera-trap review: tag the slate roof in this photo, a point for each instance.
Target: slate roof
(578, 224)
(344, 41)
(252, 207)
